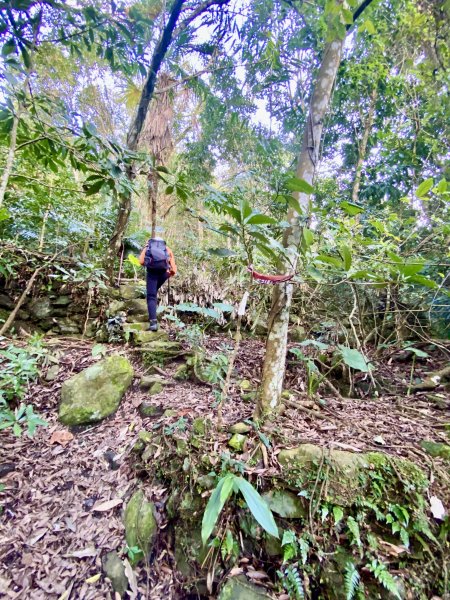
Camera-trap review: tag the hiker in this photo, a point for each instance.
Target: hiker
(158, 259)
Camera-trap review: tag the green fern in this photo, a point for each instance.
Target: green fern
(383, 576)
(354, 530)
(292, 582)
(351, 579)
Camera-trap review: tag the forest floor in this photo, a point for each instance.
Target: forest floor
(63, 498)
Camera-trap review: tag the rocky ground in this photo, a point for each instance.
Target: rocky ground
(65, 490)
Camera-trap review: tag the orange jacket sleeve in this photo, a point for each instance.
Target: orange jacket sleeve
(142, 255)
(173, 266)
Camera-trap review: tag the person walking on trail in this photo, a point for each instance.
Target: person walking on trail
(158, 259)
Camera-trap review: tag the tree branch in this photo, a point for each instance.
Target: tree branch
(358, 12)
(201, 8)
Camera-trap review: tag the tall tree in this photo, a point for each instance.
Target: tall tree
(169, 31)
(276, 345)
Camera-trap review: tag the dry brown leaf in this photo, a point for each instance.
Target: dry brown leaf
(392, 548)
(257, 575)
(131, 576)
(104, 506)
(236, 571)
(62, 437)
(83, 553)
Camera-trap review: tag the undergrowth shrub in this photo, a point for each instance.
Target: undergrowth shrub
(18, 369)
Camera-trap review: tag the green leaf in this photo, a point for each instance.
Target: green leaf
(258, 507)
(133, 260)
(347, 16)
(299, 185)
(308, 237)
(94, 188)
(223, 307)
(417, 352)
(331, 260)
(421, 280)
(338, 514)
(259, 219)
(347, 257)
(424, 187)
(4, 214)
(441, 186)
(294, 204)
(367, 26)
(233, 212)
(411, 269)
(351, 579)
(315, 343)
(351, 209)
(354, 530)
(246, 209)
(215, 505)
(354, 359)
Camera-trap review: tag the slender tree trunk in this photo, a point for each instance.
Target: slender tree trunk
(363, 146)
(275, 357)
(152, 187)
(10, 157)
(136, 128)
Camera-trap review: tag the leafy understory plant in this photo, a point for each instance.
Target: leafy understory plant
(227, 485)
(351, 580)
(21, 417)
(382, 575)
(292, 583)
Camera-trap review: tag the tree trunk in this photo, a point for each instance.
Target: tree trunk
(363, 146)
(275, 357)
(10, 157)
(152, 188)
(134, 132)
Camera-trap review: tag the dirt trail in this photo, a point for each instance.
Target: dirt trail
(53, 537)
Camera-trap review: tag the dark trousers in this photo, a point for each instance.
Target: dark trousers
(155, 279)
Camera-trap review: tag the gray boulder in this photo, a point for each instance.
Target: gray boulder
(96, 392)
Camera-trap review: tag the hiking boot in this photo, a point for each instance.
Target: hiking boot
(153, 326)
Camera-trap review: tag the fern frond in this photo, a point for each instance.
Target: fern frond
(388, 582)
(351, 579)
(293, 583)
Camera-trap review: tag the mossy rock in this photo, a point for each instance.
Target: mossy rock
(436, 449)
(140, 525)
(239, 588)
(245, 385)
(189, 549)
(297, 334)
(201, 426)
(181, 373)
(136, 306)
(160, 351)
(240, 428)
(96, 392)
(349, 474)
(150, 410)
(41, 308)
(132, 291)
(115, 570)
(140, 338)
(285, 504)
(237, 442)
(135, 326)
(116, 306)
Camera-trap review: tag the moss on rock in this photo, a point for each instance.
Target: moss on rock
(96, 392)
(140, 525)
(239, 588)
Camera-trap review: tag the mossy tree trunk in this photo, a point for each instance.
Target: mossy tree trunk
(275, 356)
